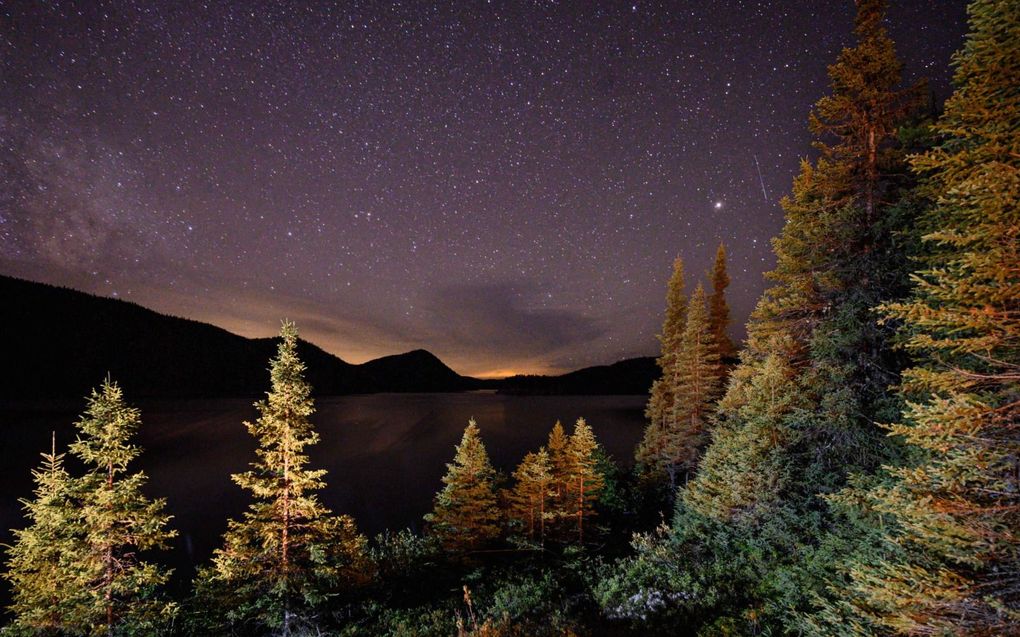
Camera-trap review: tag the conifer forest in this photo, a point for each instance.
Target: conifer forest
(850, 467)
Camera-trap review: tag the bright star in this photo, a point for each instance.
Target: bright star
(718, 205)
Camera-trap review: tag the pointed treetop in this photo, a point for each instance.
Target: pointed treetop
(698, 308)
(470, 456)
(557, 438)
(676, 304)
(583, 438)
(466, 514)
(718, 309)
(869, 18)
(106, 428)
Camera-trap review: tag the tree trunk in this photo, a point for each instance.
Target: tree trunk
(531, 521)
(872, 173)
(541, 520)
(284, 540)
(108, 575)
(580, 511)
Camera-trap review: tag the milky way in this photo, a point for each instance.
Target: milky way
(505, 184)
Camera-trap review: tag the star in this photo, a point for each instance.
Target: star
(474, 164)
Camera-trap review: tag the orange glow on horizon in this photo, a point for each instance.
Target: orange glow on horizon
(505, 372)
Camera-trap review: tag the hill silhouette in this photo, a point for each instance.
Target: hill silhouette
(62, 342)
(630, 376)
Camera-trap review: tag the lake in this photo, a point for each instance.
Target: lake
(385, 453)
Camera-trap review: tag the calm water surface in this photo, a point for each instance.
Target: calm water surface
(385, 453)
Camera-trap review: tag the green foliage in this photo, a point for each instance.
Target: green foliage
(673, 445)
(466, 515)
(662, 398)
(718, 309)
(744, 472)
(586, 481)
(560, 463)
(117, 592)
(790, 523)
(949, 557)
(38, 568)
(76, 570)
(752, 540)
(289, 559)
(699, 377)
(398, 555)
(531, 501)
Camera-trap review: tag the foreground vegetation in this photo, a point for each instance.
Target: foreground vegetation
(853, 472)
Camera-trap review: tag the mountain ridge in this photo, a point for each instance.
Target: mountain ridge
(62, 342)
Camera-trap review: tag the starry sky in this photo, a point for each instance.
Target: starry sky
(503, 183)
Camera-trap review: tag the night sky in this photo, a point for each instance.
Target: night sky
(505, 184)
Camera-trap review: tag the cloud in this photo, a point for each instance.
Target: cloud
(503, 323)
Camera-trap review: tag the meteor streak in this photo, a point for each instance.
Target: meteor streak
(760, 179)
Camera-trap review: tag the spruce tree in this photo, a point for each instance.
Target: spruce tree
(38, 568)
(949, 557)
(466, 514)
(673, 446)
(814, 341)
(718, 309)
(586, 480)
(743, 474)
(659, 411)
(531, 497)
(560, 465)
(662, 396)
(119, 593)
(289, 557)
(558, 457)
(699, 374)
(834, 263)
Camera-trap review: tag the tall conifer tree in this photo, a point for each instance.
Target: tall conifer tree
(532, 494)
(818, 313)
(699, 375)
(289, 556)
(38, 569)
(718, 308)
(119, 592)
(586, 480)
(466, 514)
(558, 458)
(673, 447)
(812, 340)
(742, 475)
(662, 395)
(949, 557)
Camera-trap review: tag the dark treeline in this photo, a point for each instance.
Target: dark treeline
(852, 469)
(68, 338)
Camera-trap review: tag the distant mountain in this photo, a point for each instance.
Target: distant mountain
(630, 376)
(416, 371)
(59, 343)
